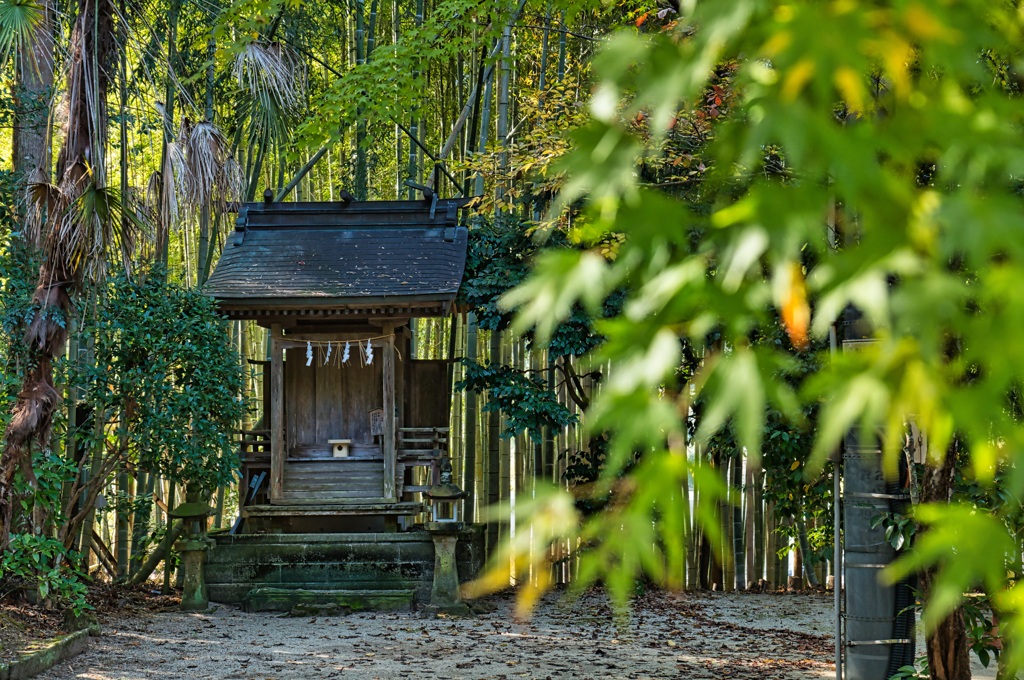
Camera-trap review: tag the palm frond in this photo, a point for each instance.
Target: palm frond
(18, 21)
(98, 225)
(206, 156)
(232, 183)
(42, 198)
(205, 173)
(275, 80)
(173, 182)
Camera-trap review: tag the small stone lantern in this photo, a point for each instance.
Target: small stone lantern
(193, 547)
(445, 499)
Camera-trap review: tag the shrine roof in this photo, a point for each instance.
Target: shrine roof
(360, 258)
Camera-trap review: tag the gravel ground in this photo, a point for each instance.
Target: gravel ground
(695, 636)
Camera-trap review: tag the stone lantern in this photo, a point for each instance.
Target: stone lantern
(193, 547)
(445, 497)
(445, 513)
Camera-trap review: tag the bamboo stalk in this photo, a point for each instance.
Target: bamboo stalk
(759, 526)
(486, 75)
(470, 477)
(167, 554)
(396, 30)
(500, 185)
(494, 449)
(561, 49)
(414, 159)
(750, 573)
(170, 93)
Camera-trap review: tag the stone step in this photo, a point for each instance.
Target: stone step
(326, 601)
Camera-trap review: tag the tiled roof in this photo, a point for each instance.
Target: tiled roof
(338, 255)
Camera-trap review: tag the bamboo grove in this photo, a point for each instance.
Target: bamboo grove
(134, 130)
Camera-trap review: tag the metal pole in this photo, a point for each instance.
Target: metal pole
(837, 550)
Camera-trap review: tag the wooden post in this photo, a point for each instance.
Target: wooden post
(277, 452)
(389, 413)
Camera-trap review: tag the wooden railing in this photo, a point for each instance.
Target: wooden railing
(254, 453)
(420, 447)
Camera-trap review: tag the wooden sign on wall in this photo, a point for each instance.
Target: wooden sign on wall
(377, 422)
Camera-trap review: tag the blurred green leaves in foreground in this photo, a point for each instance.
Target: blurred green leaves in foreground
(898, 130)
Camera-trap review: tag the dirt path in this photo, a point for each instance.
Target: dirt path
(691, 636)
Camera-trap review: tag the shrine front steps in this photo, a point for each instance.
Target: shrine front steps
(358, 571)
(327, 602)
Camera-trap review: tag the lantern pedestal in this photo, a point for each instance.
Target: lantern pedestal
(194, 595)
(444, 594)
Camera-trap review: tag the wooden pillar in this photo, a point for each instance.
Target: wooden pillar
(389, 413)
(277, 452)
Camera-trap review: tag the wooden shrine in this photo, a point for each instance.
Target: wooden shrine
(349, 413)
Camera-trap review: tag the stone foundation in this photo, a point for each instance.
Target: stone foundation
(351, 561)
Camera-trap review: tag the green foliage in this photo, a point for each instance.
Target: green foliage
(18, 268)
(36, 560)
(167, 379)
(899, 529)
(795, 490)
(527, 404)
(42, 563)
(981, 629)
(919, 671)
(955, 533)
(499, 259)
(382, 88)
(902, 155)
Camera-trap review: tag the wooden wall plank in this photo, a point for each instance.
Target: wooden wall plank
(277, 452)
(428, 402)
(290, 389)
(361, 393)
(330, 422)
(323, 480)
(388, 379)
(302, 398)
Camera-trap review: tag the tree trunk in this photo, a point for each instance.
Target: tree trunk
(947, 648)
(80, 162)
(123, 523)
(161, 552)
(804, 553)
(32, 92)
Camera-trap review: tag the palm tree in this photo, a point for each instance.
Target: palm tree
(25, 34)
(80, 226)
